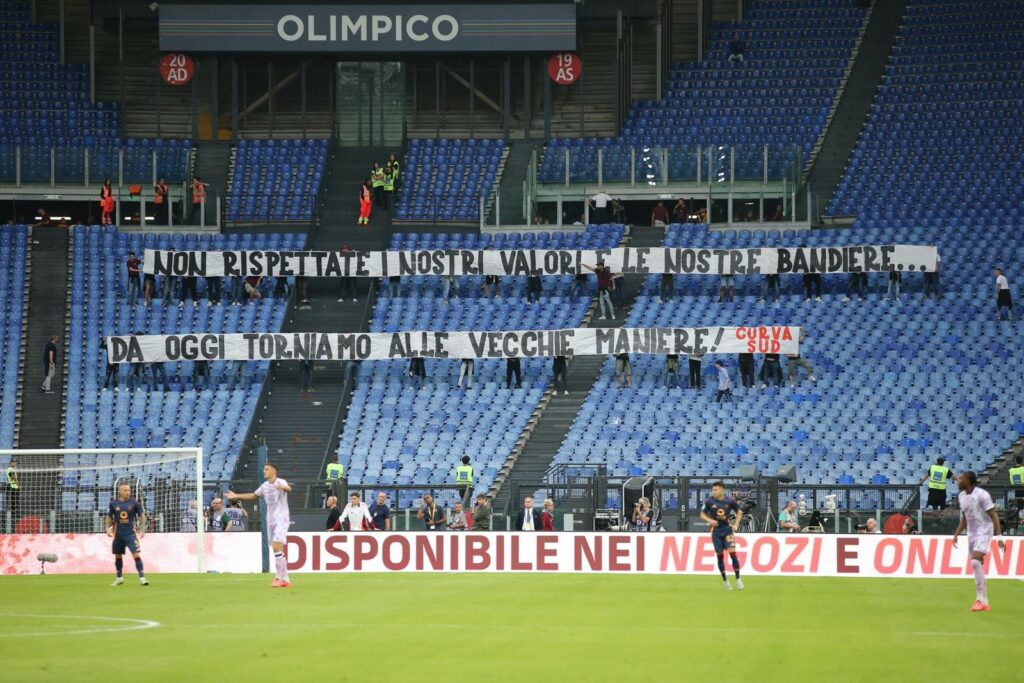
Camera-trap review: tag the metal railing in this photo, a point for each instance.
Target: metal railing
(88, 165)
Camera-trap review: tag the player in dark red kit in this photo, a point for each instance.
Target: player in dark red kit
(724, 515)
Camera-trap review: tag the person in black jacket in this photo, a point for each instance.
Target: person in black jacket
(560, 368)
(513, 367)
(528, 519)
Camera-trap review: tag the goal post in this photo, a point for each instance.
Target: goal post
(68, 490)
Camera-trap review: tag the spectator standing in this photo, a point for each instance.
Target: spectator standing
(659, 215)
(134, 282)
(746, 361)
(489, 282)
(198, 198)
(148, 287)
(723, 382)
(694, 360)
(579, 284)
(381, 513)
(666, 287)
(49, 363)
(770, 287)
(794, 361)
(213, 291)
(395, 285)
(528, 519)
(605, 284)
(726, 288)
(169, 286)
(450, 285)
(513, 367)
(43, 219)
(736, 49)
(771, 369)
(188, 291)
(482, 514)
(1003, 299)
(333, 514)
(931, 280)
(457, 520)
(137, 377)
(161, 198)
(349, 285)
(547, 515)
(200, 368)
(107, 203)
(306, 375)
(680, 212)
(895, 278)
(533, 288)
(252, 288)
(433, 516)
(560, 369)
(112, 369)
(417, 369)
(623, 370)
(156, 371)
(857, 284)
(599, 208)
(466, 368)
(788, 518)
(812, 286)
(672, 370)
(619, 289)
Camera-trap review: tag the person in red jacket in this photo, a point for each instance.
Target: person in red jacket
(365, 203)
(547, 517)
(106, 203)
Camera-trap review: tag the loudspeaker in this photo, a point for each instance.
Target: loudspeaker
(633, 490)
(749, 472)
(786, 474)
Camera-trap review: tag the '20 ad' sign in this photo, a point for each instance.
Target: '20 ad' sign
(177, 68)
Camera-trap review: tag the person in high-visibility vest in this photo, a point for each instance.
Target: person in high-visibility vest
(365, 204)
(377, 178)
(1017, 477)
(396, 167)
(390, 173)
(464, 478)
(335, 470)
(13, 488)
(198, 198)
(937, 477)
(161, 196)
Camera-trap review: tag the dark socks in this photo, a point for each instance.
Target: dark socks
(138, 566)
(735, 564)
(721, 565)
(119, 566)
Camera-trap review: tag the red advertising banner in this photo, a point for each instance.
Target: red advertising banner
(565, 67)
(177, 68)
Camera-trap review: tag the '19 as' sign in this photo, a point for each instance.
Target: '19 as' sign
(177, 68)
(565, 67)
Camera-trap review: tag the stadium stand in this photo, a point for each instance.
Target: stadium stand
(13, 243)
(45, 105)
(946, 122)
(215, 415)
(399, 433)
(898, 382)
(780, 96)
(275, 180)
(444, 179)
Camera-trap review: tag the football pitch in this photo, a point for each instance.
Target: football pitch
(505, 627)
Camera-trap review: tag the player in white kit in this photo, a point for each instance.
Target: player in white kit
(274, 491)
(978, 516)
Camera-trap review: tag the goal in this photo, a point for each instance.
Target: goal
(68, 491)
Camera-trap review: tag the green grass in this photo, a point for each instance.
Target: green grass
(378, 628)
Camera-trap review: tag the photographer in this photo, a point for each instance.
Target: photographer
(869, 527)
(789, 518)
(643, 515)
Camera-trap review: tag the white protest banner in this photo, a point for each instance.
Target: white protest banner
(640, 260)
(334, 346)
(862, 556)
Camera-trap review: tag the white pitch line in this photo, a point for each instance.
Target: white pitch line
(132, 625)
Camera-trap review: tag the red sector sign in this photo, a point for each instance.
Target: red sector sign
(565, 68)
(177, 68)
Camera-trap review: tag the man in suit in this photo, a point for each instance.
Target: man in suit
(528, 518)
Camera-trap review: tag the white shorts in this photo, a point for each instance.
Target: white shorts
(979, 543)
(277, 533)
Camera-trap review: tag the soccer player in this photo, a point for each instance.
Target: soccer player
(978, 516)
(123, 514)
(724, 515)
(274, 491)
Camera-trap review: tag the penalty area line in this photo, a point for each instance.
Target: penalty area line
(127, 625)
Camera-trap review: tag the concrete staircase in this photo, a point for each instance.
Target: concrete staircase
(302, 429)
(684, 31)
(858, 92)
(998, 473)
(548, 426)
(214, 164)
(41, 414)
(510, 189)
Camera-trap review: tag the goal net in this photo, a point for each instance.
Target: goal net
(68, 491)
